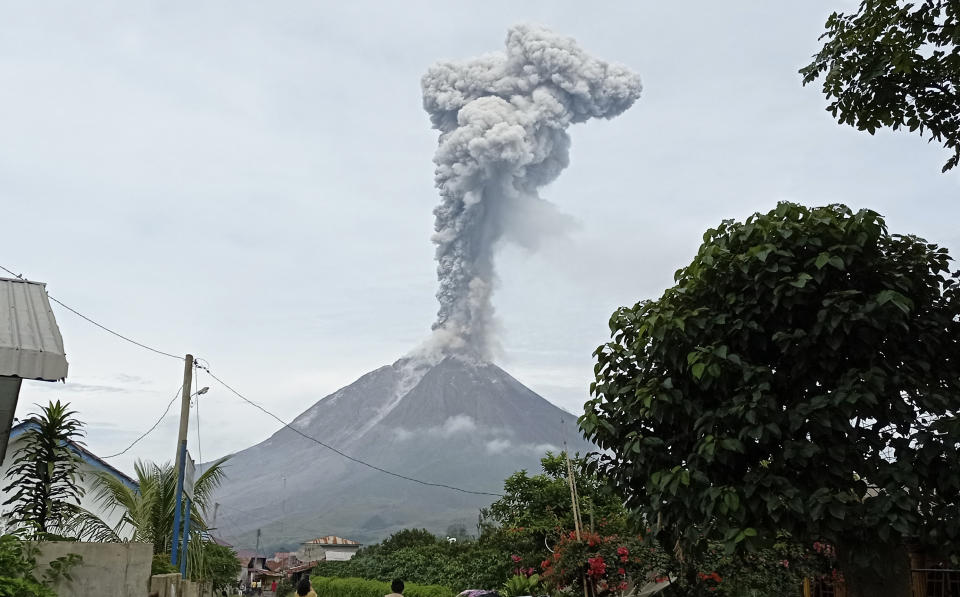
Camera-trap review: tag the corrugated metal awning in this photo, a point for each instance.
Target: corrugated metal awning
(30, 343)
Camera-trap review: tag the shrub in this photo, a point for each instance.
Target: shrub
(359, 587)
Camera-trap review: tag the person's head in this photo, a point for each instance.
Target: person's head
(303, 587)
(396, 586)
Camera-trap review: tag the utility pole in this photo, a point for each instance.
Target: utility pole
(181, 457)
(184, 406)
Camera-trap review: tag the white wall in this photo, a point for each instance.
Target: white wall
(88, 501)
(339, 553)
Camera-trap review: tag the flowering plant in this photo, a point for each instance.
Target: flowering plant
(603, 564)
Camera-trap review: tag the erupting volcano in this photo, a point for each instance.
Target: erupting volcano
(444, 414)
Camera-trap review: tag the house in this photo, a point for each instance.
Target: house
(328, 548)
(90, 465)
(251, 562)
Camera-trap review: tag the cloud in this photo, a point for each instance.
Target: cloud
(455, 425)
(497, 446)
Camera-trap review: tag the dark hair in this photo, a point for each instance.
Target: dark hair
(303, 587)
(396, 586)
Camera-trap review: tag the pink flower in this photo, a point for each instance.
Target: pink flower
(515, 558)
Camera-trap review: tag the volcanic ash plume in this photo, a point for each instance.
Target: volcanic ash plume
(503, 125)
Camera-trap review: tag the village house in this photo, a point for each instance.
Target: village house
(331, 548)
(251, 563)
(90, 466)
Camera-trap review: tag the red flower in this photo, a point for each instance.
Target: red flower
(515, 558)
(622, 586)
(623, 551)
(621, 572)
(624, 559)
(596, 567)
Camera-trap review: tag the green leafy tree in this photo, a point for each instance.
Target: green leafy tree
(536, 510)
(218, 564)
(802, 376)
(45, 475)
(894, 64)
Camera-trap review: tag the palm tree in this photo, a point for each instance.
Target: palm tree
(149, 511)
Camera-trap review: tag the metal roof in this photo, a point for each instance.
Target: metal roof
(86, 455)
(331, 540)
(30, 343)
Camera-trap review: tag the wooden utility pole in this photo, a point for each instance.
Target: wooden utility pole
(184, 405)
(181, 458)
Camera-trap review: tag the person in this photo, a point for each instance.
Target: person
(304, 589)
(273, 587)
(397, 587)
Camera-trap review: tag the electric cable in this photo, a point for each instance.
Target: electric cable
(341, 453)
(247, 400)
(148, 431)
(99, 325)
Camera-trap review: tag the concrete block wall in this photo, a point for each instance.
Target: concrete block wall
(107, 569)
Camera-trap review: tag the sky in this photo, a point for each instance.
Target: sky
(252, 183)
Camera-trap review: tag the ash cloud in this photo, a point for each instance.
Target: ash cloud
(503, 122)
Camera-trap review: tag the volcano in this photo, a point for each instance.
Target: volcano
(459, 422)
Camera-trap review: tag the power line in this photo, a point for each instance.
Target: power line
(148, 431)
(332, 449)
(245, 399)
(99, 325)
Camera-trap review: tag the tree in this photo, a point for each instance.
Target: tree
(45, 474)
(219, 564)
(803, 375)
(537, 509)
(148, 511)
(894, 64)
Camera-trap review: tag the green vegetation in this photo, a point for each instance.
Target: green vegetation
(359, 587)
(527, 541)
(802, 378)
(18, 569)
(894, 64)
(44, 476)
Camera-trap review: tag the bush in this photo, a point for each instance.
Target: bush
(359, 587)
(161, 564)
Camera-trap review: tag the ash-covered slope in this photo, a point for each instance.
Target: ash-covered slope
(458, 423)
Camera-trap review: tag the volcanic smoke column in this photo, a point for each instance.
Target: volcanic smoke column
(503, 122)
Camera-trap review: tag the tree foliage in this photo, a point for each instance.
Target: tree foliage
(801, 376)
(19, 575)
(894, 64)
(536, 510)
(218, 564)
(45, 475)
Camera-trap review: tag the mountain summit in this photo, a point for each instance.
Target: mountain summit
(459, 422)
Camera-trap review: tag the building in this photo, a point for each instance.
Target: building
(251, 564)
(328, 548)
(90, 466)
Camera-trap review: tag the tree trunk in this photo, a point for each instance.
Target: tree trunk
(888, 576)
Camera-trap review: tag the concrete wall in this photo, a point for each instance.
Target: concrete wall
(340, 552)
(171, 585)
(107, 569)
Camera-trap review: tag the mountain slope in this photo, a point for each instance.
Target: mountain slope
(459, 423)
